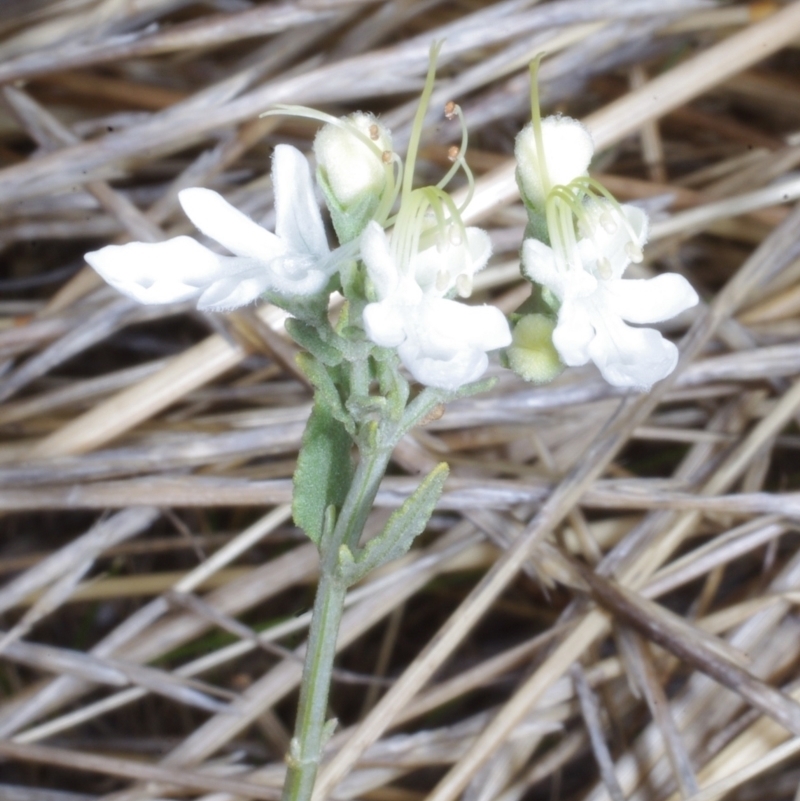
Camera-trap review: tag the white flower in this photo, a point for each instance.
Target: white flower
(597, 303)
(295, 260)
(348, 164)
(568, 150)
(441, 342)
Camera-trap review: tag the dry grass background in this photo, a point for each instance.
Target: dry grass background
(603, 606)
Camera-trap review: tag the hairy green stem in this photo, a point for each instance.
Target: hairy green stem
(310, 729)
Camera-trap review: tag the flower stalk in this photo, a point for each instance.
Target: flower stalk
(312, 728)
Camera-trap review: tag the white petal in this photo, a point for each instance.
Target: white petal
(447, 342)
(240, 287)
(289, 275)
(638, 221)
(480, 248)
(611, 236)
(568, 150)
(574, 333)
(466, 258)
(490, 327)
(484, 327)
(161, 272)
(377, 256)
(539, 265)
(384, 324)
(632, 357)
(216, 218)
(447, 324)
(298, 219)
(444, 371)
(650, 300)
(427, 265)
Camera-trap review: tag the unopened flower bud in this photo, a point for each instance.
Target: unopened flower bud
(568, 150)
(532, 354)
(347, 164)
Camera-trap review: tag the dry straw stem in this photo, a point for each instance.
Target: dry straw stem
(171, 777)
(215, 356)
(660, 95)
(220, 425)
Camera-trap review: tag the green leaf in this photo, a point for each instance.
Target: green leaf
(323, 474)
(327, 394)
(308, 337)
(400, 532)
(352, 279)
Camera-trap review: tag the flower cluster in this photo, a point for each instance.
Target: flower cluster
(412, 272)
(580, 243)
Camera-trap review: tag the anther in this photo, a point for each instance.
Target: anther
(374, 132)
(464, 285)
(442, 280)
(604, 269)
(450, 110)
(386, 157)
(607, 221)
(452, 152)
(454, 235)
(634, 252)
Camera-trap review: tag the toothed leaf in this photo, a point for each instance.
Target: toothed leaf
(401, 530)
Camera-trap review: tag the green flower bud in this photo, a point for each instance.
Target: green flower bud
(532, 354)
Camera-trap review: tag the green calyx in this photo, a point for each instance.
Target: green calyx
(532, 355)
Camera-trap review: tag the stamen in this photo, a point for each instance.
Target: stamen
(587, 182)
(442, 280)
(453, 153)
(320, 116)
(454, 235)
(374, 133)
(604, 269)
(607, 221)
(565, 195)
(450, 110)
(470, 185)
(459, 161)
(464, 285)
(634, 252)
(404, 225)
(392, 192)
(455, 214)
